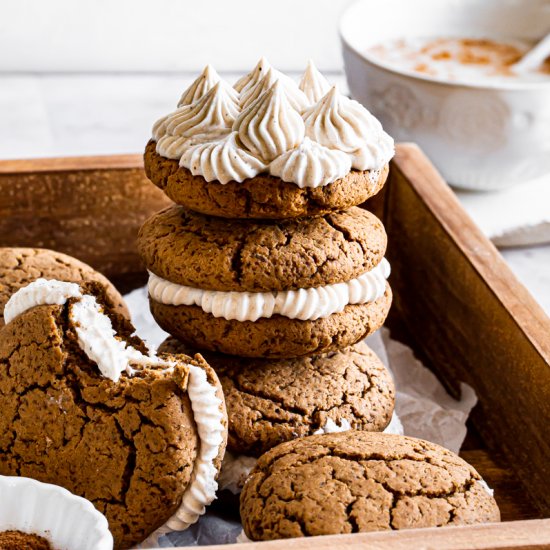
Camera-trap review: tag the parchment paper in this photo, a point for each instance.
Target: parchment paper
(425, 409)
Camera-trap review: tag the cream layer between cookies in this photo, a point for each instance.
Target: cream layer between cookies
(113, 356)
(306, 304)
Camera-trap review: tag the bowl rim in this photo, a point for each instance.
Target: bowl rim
(105, 537)
(516, 86)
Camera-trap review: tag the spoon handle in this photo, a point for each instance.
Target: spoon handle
(534, 57)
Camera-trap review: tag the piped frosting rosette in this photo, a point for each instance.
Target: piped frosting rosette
(308, 134)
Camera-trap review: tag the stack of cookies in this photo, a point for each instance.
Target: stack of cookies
(266, 265)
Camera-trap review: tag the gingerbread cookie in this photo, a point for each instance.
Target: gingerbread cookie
(268, 148)
(272, 401)
(263, 196)
(267, 289)
(17, 540)
(85, 406)
(360, 481)
(21, 266)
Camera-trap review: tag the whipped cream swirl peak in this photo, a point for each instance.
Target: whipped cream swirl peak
(295, 96)
(270, 126)
(254, 76)
(311, 165)
(222, 160)
(216, 110)
(313, 83)
(205, 82)
(344, 124)
(210, 117)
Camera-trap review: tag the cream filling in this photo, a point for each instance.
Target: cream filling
(98, 340)
(332, 427)
(306, 304)
(39, 293)
(486, 487)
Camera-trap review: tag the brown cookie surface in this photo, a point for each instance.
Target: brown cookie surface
(276, 336)
(360, 481)
(127, 446)
(263, 197)
(218, 254)
(272, 401)
(17, 540)
(21, 266)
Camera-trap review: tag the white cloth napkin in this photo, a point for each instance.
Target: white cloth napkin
(517, 216)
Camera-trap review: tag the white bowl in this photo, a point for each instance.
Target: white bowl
(479, 136)
(68, 522)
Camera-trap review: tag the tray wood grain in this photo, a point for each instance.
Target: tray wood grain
(524, 535)
(456, 303)
(87, 207)
(470, 317)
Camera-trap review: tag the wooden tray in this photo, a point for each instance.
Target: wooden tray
(456, 303)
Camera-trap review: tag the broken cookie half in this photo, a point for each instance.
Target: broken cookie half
(86, 406)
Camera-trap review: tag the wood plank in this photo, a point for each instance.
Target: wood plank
(518, 535)
(468, 313)
(57, 164)
(91, 208)
(510, 493)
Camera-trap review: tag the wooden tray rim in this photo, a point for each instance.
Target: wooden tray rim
(525, 311)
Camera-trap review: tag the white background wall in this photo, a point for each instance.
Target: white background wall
(167, 35)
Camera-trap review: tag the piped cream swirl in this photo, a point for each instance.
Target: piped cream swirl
(222, 161)
(311, 165)
(175, 147)
(313, 83)
(296, 98)
(200, 86)
(344, 124)
(272, 116)
(254, 76)
(306, 304)
(211, 116)
(270, 126)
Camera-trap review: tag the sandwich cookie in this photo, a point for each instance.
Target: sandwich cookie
(268, 147)
(267, 289)
(87, 407)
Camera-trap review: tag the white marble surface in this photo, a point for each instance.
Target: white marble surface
(85, 114)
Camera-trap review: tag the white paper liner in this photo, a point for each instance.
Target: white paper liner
(66, 521)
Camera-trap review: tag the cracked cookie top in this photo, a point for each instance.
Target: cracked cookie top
(21, 266)
(237, 255)
(86, 406)
(270, 401)
(360, 481)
